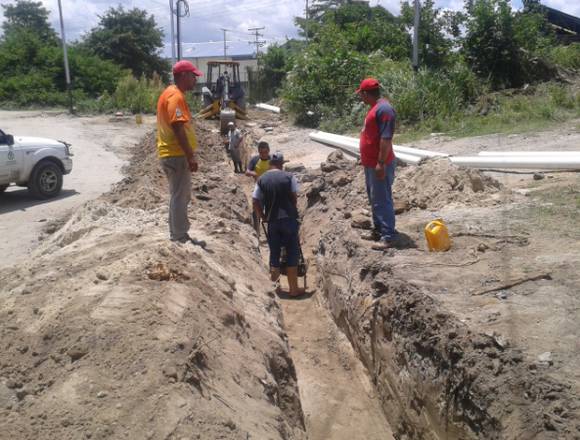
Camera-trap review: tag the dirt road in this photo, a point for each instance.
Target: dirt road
(99, 145)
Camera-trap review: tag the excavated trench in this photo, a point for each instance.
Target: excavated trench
(434, 376)
(139, 338)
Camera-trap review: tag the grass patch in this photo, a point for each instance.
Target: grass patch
(546, 106)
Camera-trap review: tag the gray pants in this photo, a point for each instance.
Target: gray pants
(179, 177)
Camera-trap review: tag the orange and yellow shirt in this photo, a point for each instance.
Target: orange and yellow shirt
(171, 108)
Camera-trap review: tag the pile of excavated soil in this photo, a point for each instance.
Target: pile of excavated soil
(110, 331)
(438, 183)
(437, 376)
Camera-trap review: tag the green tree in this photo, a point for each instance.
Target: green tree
(489, 46)
(435, 29)
(31, 62)
(274, 67)
(29, 16)
(371, 29)
(131, 39)
(322, 81)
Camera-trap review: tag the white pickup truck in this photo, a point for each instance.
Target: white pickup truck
(36, 163)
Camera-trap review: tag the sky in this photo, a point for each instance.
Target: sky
(201, 30)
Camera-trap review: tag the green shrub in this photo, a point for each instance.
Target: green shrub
(566, 56)
(137, 95)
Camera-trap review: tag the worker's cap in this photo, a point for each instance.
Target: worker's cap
(185, 66)
(368, 84)
(277, 158)
(263, 144)
(231, 124)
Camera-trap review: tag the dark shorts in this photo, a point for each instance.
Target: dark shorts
(283, 233)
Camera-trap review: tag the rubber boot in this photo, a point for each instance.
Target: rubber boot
(292, 274)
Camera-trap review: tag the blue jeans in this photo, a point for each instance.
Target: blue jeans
(380, 193)
(283, 233)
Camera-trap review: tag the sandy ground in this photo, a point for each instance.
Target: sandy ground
(99, 145)
(337, 396)
(135, 337)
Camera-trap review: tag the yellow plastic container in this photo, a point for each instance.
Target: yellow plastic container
(139, 118)
(437, 236)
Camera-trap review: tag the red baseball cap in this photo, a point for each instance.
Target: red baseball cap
(186, 66)
(368, 84)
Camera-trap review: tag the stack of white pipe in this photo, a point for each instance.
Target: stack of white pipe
(351, 145)
(529, 160)
(538, 160)
(271, 108)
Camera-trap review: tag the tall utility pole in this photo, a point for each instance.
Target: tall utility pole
(66, 68)
(225, 42)
(306, 13)
(178, 30)
(171, 13)
(186, 13)
(416, 34)
(259, 43)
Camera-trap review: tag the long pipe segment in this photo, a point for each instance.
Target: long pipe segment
(414, 156)
(529, 153)
(351, 145)
(509, 162)
(268, 107)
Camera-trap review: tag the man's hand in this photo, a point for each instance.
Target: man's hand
(380, 172)
(192, 162)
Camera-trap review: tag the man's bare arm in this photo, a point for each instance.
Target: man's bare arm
(179, 130)
(258, 209)
(386, 146)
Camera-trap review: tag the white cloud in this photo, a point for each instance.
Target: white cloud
(207, 17)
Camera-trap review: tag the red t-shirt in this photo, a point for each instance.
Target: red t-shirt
(379, 124)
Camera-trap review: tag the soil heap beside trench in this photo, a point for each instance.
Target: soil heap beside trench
(111, 331)
(438, 376)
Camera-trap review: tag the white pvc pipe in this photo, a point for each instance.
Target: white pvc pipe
(332, 141)
(350, 146)
(414, 156)
(528, 163)
(322, 136)
(528, 153)
(268, 107)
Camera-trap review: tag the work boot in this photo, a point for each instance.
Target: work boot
(292, 275)
(384, 245)
(374, 235)
(187, 239)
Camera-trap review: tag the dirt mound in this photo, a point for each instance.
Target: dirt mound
(438, 375)
(437, 183)
(111, 331)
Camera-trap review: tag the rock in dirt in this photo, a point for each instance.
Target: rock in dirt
(546, 358)
(360, 220)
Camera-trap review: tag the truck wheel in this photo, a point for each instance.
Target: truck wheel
(45, 180)
(3, 188)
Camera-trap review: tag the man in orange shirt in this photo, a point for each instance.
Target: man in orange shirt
(176, 144)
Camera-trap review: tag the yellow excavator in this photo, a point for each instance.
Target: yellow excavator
(223, 95)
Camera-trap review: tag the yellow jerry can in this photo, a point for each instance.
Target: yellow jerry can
(437, 236)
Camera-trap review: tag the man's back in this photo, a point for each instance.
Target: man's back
(278, 189)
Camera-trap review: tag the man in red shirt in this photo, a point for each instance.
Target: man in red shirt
(378, 159)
